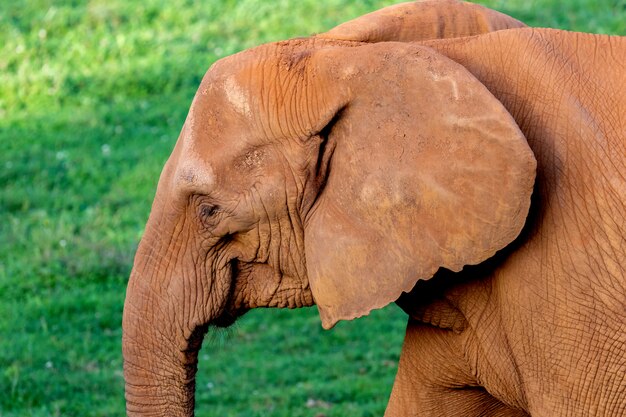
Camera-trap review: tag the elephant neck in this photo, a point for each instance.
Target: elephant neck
(427, 303)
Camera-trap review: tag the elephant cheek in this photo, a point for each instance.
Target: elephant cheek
(262, 285)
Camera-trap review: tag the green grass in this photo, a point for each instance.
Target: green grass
(92, 96)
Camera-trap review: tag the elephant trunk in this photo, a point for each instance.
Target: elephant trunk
(170, 300)
(160, 357)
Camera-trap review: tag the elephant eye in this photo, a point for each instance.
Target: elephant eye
(208, 210)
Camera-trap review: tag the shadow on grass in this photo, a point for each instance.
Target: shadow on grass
(77, 183)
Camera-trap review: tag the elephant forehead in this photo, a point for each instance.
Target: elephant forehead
(193, 170)
(237, 96)
(194, 174)
(219, 92)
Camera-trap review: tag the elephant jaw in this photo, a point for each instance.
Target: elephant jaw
(263, 285)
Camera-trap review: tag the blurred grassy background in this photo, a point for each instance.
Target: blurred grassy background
(92, 96)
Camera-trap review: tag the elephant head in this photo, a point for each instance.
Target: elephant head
(316, 171)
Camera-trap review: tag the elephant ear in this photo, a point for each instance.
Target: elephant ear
(423, 20)
(427, 170)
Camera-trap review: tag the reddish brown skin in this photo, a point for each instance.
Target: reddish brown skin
(291, 155)
(542, 324)
(423, 20)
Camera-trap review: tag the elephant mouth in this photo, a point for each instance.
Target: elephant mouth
(226, 319)
(273, 287)
(231, 311)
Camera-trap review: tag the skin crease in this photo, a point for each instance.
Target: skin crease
(538, 329)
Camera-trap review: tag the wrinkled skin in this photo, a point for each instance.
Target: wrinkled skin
(296, 180)
(540, 328)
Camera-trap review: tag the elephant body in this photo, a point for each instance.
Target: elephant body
(350, 170)
(543, 322)
(421, 21)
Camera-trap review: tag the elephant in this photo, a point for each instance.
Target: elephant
(478, 182)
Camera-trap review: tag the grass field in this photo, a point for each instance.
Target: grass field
(92, 96)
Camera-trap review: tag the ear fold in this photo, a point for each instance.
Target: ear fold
(428, 171)
(423, 20)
